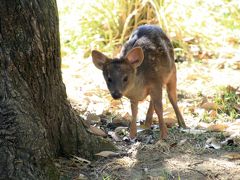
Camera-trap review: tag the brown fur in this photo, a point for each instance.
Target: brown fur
(146, 64)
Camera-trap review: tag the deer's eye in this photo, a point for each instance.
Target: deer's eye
(125, 79)
(109, 79)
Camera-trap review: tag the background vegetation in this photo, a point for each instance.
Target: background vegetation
(206, 36)
(198, 28)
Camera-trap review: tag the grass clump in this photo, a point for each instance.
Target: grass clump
(196, 27)
(229, 101)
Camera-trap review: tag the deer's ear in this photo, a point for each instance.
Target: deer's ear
(98, 59)
(135, 56)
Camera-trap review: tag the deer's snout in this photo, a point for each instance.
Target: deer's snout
(116, 95)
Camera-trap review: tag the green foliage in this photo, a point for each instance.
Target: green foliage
(106, 177)
(227, 100)
(106, 24)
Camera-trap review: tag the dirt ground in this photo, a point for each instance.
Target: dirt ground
(183, 156)
(197, 153)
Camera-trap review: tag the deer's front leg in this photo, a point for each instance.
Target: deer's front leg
(149, 116)
(133, 125)
(156, 96)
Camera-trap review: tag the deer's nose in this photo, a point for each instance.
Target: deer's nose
(116, 95)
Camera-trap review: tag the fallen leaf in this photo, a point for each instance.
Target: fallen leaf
(86, 123)
(221, 65)
(197, 76)
(107, 154)
(115, 103)
(182, 142)
(228, 142)
(233, 130)
(155, 121)
(93, 118)
(89, 93)
(126, 161)
(237, 107)
(170, 122)
(173, 145)
(217, 127)
(202, 125)
(212, 114)
(119, 121)
(209, 106)
(82, 177)
(236, 65)
(81, 160)
(155, 178)
(195, 49)
(232, 156)
(189, 39)
(96, 131)
(114, 135)
(213, 143)
(236, 138)
(168, 113)
(142, 127)
(193, 131)
(121, 130)
(231, 89)
(127, 117)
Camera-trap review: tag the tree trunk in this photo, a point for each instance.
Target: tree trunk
(36, 120)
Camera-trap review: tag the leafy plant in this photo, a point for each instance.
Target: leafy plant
(227, 100)
(106, 25)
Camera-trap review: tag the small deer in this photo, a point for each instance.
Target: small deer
(146, 64)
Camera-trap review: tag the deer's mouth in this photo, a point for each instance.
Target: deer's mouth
(116, 95)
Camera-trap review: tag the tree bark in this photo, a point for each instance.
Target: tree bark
(37, 122)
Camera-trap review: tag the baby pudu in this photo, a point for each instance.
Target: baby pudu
(145, 65)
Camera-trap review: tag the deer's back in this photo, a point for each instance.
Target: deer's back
(158, 62)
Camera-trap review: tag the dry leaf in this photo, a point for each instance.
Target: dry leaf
(89, 93)
(127, 117)
(82, 177)
(168, 113)
(213, 143)
(182, 142)
(197, 76)
(237, 107)
(232, 156)
(236, 65)
(114, 136)
(209, 106)
(86, 123)
(156, 178)
(107, 154)
(221, 65)
(212, 114)
(233, 129)
(121, 130)
(155, 121)
(81, 160)
(217, 127)
(193, 131)
(96, 131)
(115, 103)
(189, 39)
(92, 117)
(170, 122)
(119, 121)
(142, 127)
(202, 125)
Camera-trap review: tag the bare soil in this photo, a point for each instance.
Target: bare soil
(184, 155)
